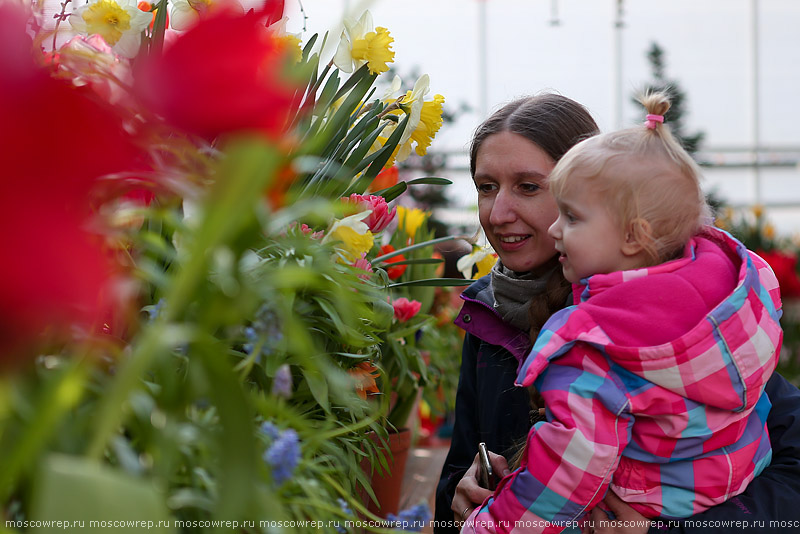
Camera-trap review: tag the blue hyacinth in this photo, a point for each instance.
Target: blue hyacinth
(283, 455)
(411, 519)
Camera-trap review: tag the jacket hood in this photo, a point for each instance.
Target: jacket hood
(704, 326)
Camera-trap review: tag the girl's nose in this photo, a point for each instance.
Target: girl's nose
(555, 229)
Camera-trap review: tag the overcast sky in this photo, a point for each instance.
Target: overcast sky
(709, 47)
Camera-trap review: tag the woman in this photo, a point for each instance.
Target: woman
(511, 155)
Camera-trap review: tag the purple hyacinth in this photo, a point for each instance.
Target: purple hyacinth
(283, 455)
(282, 384)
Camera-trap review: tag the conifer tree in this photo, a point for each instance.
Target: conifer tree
(676, 113)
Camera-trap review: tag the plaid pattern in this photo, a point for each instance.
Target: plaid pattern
(673, 428)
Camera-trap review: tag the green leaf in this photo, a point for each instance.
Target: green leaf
(430, 180)
(74, 489)
(318, 387)
(391, 193)
(438, 282)
(415, 247)
(386, 151)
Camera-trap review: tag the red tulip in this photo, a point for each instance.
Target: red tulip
(397, 271)
(224, 75)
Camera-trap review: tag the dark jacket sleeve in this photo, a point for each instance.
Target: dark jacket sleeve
(464, 441)
(771, 503)
(489, 408)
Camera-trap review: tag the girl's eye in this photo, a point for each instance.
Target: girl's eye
(570, 217)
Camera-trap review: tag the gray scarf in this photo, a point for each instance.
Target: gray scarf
(513, 293)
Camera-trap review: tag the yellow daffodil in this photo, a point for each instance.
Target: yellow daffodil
(484, 257)
(769, 231)
(291, 41)
(410, 219)
(119, 22)
(758, 210)
(352, 237)
(361, 43)
(424, 121)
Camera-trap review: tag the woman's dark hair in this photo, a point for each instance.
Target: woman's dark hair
(555, 124)
(552, 122)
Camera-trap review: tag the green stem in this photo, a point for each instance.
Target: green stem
(58, 399)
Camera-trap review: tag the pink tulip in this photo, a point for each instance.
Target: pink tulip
(381, 215)
(405, 309)
(363, 264)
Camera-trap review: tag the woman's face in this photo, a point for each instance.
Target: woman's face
(514, 204)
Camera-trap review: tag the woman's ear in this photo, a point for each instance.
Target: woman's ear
(637, 233)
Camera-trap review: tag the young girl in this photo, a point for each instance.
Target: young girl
(653, 381)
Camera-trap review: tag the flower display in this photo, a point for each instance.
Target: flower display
(405, 309)
(197, 320)
(361, 43)
(119, 22)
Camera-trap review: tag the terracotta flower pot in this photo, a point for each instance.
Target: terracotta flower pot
(388, 485)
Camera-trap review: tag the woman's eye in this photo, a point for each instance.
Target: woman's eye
(485, 188)
(529, 188)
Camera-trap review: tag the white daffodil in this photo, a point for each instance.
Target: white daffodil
(186, 13)
(119, 22)
(484, 257)
(361, 43)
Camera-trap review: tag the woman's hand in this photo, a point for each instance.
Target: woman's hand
(626, 520)
(469, 493)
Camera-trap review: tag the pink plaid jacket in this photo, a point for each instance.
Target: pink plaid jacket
(653, 385)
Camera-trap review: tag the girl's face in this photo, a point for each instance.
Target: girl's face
(514, 205)
(589, 239)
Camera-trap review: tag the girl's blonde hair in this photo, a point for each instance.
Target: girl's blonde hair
(648, 181)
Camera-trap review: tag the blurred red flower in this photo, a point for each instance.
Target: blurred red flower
(785, 267)
(226, 74)
(385, 179)
(55, 141)
(405, 309)
(398, 270)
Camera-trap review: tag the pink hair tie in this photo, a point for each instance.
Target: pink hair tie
(652, 120)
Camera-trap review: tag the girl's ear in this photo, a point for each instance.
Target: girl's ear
(638, 233)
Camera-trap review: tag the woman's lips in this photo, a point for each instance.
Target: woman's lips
(512, 242)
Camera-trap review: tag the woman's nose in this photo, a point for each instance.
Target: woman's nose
(504, 209)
